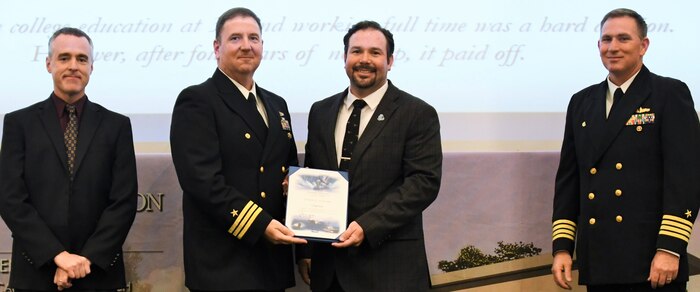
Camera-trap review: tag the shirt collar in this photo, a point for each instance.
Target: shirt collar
(242, 88)
(372, 99)
(612, 87)
(61, 105)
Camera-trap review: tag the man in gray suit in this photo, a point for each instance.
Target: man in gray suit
(389, 142)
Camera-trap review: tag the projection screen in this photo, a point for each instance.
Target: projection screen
(500, 73)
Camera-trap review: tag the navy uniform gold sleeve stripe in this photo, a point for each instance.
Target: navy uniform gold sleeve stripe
(678, 219)
(250, 222)
(676, 227)
(563, 228)
(557, 235)
(563, 235)
(248, 218)
(240, 216)
(675, 232)
(245, 219)
(564, 221)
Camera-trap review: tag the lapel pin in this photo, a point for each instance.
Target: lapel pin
(380, 117)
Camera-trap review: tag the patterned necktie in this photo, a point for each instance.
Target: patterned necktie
(352, 131)
(70, 137)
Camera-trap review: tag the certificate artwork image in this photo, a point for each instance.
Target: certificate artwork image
(317, 203)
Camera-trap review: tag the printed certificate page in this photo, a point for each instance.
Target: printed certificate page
(317, 203)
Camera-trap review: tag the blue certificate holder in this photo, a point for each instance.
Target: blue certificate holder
(317, 203)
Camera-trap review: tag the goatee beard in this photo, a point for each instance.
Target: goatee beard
(364, 83)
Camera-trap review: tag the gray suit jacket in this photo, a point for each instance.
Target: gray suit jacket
(394, 175)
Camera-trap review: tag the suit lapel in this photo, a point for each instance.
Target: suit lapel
(89, 122)
(636, 94)
(53, 129)
(596, 119)
(386, 108)
(330, 117)
(235, 101)
(274, 123)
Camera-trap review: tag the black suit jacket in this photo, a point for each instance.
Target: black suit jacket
(628, 185)
(394, 175)
(232, 183)
(47, 213)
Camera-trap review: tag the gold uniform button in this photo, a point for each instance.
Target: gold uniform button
(618, 192)
(262, 169)
(591, 221)
(618, 166)
(284, 169)
(289, 135)
(618, 218)
(594, 171)
(591, 196)
(583, 124)
(247, 135)
(263, 195)
(639, 128)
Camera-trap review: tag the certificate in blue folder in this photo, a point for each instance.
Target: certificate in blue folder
(317, 203)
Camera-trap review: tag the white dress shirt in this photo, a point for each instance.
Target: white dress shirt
(372, 101)
(609, 97)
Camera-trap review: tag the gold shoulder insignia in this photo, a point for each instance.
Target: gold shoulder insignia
(688, 214)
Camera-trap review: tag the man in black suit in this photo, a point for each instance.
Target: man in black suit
(68, 184)
(393, 154)
(627, 189)
(232, 145)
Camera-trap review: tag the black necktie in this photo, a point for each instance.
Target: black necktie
(70, 137)
(251, 101)
(352, 131)
(616, 99)
(260, 125)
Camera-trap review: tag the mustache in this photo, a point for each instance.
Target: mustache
(364, 67)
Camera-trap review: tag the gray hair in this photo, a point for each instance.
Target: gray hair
(69, 31)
